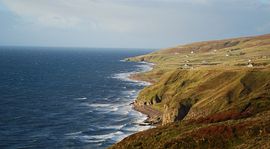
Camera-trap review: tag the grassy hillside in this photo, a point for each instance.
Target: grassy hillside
(211, 94)
(225, 53)
(251, 132)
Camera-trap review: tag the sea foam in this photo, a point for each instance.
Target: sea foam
(125, 76)
(80, 98)
(126, 113)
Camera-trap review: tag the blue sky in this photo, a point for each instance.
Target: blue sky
(129, 23)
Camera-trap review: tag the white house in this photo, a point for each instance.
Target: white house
(249, 65)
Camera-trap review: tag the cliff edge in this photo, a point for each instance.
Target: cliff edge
(213, 94)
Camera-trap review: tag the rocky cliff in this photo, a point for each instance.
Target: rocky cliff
(211, 94)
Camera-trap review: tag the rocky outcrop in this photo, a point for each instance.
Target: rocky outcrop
(154, 116)
(175, 114)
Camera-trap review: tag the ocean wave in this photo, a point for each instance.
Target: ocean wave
(124, 110)
(86, 139)
(98, 105)
(115, 136)
(102, 108)
(80, 98)
(127, 121)
(115, 127)
(74, 133)
(121, 104)
(130, 94)
(125, 76)
(144, 68)
(137, 128)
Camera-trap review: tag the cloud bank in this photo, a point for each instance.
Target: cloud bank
(129, 23)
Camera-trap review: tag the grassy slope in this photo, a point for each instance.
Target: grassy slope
(251, 132)
(219, 101)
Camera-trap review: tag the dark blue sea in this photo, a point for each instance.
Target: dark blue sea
(67, 97)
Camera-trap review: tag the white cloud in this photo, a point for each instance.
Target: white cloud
(44, 13)
(105, 15)
(118, 15)
(58, 21)
(155, 22)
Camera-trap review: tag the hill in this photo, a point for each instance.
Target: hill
(212, 94)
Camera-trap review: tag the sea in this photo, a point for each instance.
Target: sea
(76, 98)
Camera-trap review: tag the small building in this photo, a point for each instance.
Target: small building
(186, 66)
(192, 52)
(250, 65)
(204, 62)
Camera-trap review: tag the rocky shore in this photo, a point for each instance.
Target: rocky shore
(154, 116)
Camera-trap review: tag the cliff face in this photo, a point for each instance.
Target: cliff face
(211, 94)
(191, 94)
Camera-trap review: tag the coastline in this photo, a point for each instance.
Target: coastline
(153, 116)
(209, 98)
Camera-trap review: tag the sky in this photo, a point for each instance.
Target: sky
(129, 23)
